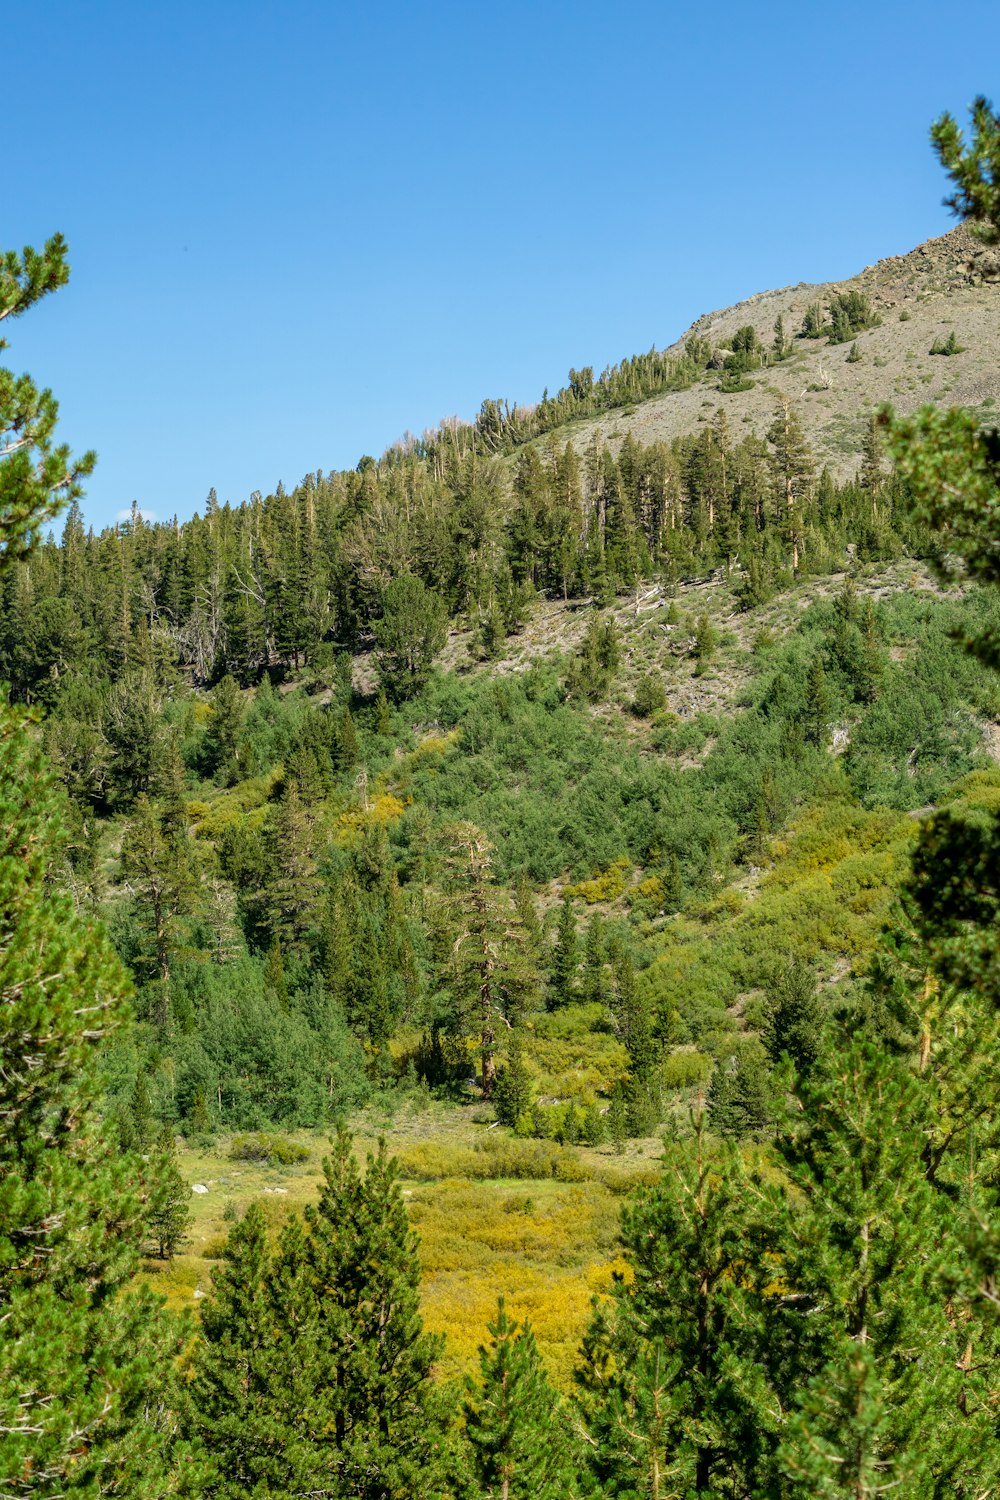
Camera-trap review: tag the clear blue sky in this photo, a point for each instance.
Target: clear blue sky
(298, 229)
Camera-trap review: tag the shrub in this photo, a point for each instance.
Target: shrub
(684, 1070)
(496, 1157)
(275, 1150)
(606, 885)
(949, 347)
(650, 696)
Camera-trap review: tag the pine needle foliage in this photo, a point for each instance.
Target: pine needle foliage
(516, 1428)
(84, 1363)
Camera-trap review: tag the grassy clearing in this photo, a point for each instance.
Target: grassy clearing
(527, 1219)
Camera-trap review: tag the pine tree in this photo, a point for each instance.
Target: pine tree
(862, 1350)
(169, 1197)
(632, 1023)
(223, 749)
(741, 1094)
(512, 1092)
(871, 658)
(36, 476)
(795, 1028)
(594, 988)
(704, 644)
(316, 1375)
(229, 1399)
(85, 1364)
(292, 893)
(564, 957)
(140, 1114)
(275, 984)
(870, 476)
(671, 1394)
(817, 705)
(488, 974)
(793, 474)
(409, 635)
(779, 346)
(515, 1426)
(159, 865)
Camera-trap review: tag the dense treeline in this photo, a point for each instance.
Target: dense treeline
(292, 578)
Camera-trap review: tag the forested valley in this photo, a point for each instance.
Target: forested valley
(499, 967)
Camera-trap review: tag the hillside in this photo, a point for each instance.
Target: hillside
(950, 284)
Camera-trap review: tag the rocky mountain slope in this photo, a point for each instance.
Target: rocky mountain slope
(948, 285)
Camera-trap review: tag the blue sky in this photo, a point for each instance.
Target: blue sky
(299, 229)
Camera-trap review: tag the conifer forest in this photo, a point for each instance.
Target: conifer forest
(500, 958)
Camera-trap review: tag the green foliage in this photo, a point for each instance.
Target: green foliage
(37, 477)
(564, 956)
(864, 1325)
(974, 168)
(850, 313)
(813, 325)
(409, 635)
(650, 696)
(81, 1353)
(517, 1431)
(947, 346)
(512, 1091)
(314, 1367)
(795, 1018)
(741, 1094)
(274, 1149)
(668, 1397)
(169, 1198)
(598, 660)
(705, 642)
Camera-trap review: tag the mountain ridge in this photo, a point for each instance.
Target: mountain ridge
(950, 283)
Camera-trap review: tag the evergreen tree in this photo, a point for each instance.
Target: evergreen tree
(871, 658)
(594, 988)
(223, 748)
(633, 1025)
(37, 477)
(671, 1394)
(564, 957)
(292, 892)
(974, 168)
(229, 1399)
(862, 1353)
(704, 644)
(741, 1094)
(316, 1374)
(817, 705)
(169, 1197)
(793, 474)
(795, 1027)
(140, 1114)
(488, 974)
(159, 865)
(515, 1426)
(409, 635)
(512, 1093)
(85, 1363)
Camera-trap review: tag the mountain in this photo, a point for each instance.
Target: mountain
(947, 285)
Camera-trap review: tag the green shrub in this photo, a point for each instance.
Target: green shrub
(275, 1150)
(949, 346)
(684, 1070)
